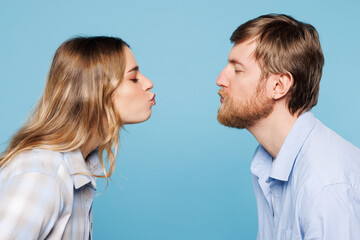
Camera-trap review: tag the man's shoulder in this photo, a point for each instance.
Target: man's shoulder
(326, 159)
(327, 138)
(326, 150)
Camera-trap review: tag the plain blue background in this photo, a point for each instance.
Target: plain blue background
(181, 175)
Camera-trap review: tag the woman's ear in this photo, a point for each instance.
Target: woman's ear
(281, 84)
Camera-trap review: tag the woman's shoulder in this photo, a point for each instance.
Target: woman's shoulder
(36, 178)
(42, 161)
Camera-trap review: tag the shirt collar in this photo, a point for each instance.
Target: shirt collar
(283, 163)
(261, 163)
(81, 169)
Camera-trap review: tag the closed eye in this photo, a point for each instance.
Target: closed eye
(135, 80)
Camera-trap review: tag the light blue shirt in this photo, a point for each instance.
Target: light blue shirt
(312, 189)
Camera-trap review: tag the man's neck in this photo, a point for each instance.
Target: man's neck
(272, 131)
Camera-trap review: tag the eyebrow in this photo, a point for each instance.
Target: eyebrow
(136, 68)
(233, 61)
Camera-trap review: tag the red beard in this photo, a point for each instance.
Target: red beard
(244, 114)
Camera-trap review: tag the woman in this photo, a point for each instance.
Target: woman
(47, 174)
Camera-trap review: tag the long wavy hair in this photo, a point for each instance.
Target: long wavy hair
(76, 104)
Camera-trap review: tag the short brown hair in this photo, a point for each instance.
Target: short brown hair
(285, 45)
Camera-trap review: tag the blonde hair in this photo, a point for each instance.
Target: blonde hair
(76, 104)
(285, 45)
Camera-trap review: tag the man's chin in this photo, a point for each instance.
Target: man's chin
(231, 121)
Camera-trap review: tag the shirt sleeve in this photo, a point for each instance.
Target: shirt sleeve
(30, 203)
(334, 213)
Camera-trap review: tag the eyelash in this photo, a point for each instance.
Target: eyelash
(134, 80)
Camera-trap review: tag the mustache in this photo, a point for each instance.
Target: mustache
(223, 93)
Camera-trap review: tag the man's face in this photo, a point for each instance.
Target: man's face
(243, 93)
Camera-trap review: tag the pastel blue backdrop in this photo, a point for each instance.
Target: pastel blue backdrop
(180, 175)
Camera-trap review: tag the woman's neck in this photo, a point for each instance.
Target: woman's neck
(93, 144)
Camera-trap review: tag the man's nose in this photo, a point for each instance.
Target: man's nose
(222, 79)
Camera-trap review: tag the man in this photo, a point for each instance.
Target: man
(306, 178)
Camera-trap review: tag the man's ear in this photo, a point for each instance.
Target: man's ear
(281, 84)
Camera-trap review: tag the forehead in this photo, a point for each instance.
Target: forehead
(243, 52)
(130, 59)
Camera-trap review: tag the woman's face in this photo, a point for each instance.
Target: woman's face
(132, 98)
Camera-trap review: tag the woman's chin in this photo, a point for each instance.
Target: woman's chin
(139, 120)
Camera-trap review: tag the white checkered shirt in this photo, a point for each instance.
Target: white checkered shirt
(42, 197)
